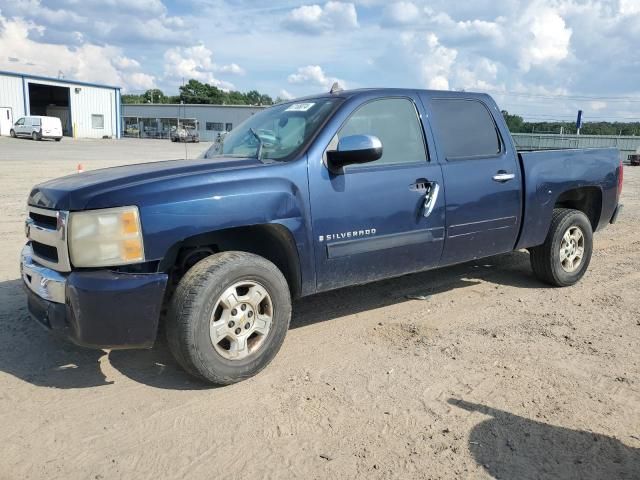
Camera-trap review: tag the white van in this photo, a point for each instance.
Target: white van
(38, 127)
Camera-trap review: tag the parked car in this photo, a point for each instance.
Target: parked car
(38, 127)
(303, 197)
(634, 159)
(184, 134)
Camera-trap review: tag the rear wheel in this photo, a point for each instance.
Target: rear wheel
(228, 317)
(35, 136)
(564, 257)
(58, 139)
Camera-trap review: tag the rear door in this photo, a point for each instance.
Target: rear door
(481, 177)
(369, 220)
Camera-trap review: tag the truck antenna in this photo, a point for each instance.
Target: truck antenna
(335, 88)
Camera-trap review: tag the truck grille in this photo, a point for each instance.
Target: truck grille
(47, 231)
(44, 220)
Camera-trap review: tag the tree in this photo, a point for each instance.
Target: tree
(131, 98)
(514, 122)
(154, 95)
(195, 92)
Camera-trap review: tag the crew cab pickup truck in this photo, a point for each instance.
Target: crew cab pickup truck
(305, 196)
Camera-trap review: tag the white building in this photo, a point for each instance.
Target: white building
(86, 110)
(153, 120)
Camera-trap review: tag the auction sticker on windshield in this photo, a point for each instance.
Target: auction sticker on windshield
(299, 107)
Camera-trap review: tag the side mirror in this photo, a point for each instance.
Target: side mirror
(355, 149)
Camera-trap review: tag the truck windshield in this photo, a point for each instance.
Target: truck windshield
(276, 133)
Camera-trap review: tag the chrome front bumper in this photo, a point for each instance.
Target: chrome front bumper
(44, 282)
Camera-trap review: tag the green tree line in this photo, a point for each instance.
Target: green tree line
(517, 124)
(196, 92)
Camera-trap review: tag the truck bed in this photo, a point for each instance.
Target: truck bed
(548, 173)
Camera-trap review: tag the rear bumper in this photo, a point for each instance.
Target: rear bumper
(97, 309)
(616, 212)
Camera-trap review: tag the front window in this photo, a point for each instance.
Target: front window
(276, 133)
(396, 123)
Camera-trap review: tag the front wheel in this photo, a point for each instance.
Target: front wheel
(564, 257)
(228, 317)
(12, 133)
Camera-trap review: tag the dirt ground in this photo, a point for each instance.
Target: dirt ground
(491, 375)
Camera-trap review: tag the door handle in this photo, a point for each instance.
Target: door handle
(503, 176)
(430, 198)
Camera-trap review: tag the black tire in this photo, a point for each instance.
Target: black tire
(58, 139)
(191, 309)
(35, 136)
(12, 133)
(545, 258)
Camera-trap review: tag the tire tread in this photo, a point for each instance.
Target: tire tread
(541, 256)
(180, 327)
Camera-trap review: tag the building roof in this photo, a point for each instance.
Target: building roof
(60, 80)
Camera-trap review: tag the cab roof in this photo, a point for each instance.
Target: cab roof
(383, 92)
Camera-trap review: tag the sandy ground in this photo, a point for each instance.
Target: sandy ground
(493, 375)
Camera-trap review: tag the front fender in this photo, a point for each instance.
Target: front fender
(277, 196)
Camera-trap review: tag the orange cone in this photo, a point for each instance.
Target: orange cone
(80, 168)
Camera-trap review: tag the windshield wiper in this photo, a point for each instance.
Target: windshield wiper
(260, 144)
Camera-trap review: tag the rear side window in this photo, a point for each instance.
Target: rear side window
(395, 122)
(465, 128)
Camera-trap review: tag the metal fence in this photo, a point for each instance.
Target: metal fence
(545, 141)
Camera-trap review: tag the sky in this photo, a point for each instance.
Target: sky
(542, 59)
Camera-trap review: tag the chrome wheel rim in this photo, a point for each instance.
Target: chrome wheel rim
(572, 249)
(241, 320)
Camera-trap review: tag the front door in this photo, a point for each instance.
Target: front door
(481, 177)
(19, 126)
(370, 220)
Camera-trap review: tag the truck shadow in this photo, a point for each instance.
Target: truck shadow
(511, 269)
(510, 446)
(32, 354)
(29, 352)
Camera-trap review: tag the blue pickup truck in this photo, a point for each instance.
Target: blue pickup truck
(306, 196)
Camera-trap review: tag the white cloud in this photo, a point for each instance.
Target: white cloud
(333, 16)
(629, 7)
(87, 62)
(313, 75)
(545, 37)
(140, 81)
(402, 13)
(116, 22)
(233, 68)
(435, 59)
(194, 62)
(598, 105)
(125, 63)
(285, 95)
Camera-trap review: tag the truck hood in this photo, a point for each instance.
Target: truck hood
(80, 191)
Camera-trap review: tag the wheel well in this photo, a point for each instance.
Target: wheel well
(271, 241)
(586, 199)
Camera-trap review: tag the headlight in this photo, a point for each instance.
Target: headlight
(105, 238)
